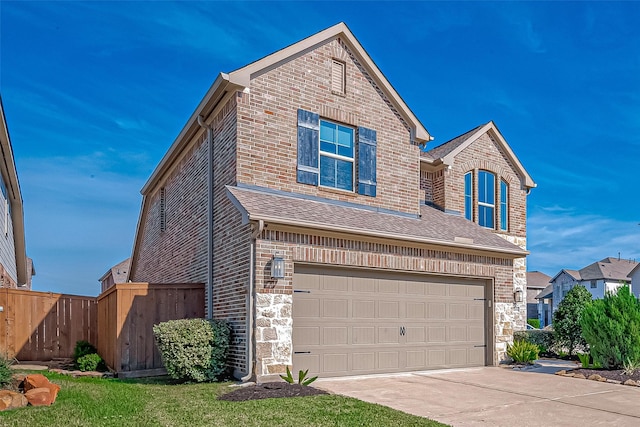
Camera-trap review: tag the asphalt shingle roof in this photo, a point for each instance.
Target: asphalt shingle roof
(444, 149)
(608, 269)
(537, 279)
(434, 226)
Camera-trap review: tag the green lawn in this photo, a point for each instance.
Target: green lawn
(100, 402)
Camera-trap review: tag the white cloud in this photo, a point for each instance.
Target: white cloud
(562, 238)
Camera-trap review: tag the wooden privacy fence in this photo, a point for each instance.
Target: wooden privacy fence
(126, 315)
(44, 325)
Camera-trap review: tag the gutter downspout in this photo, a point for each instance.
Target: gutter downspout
(210, 223)
(255, 232)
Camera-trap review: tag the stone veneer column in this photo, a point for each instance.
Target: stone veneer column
(510, 317)
(274, 324)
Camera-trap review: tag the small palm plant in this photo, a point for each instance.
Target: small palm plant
(302, 377)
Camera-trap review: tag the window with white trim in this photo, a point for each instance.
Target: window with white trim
(504, 205)
(468, 196)
(486, 199)
(336, 155)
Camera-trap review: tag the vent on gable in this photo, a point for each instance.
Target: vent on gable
(338, 84)
(163, 213)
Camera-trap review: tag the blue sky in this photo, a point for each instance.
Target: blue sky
(95, 93)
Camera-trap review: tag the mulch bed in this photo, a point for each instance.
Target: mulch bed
(616, 375)
(270, 390)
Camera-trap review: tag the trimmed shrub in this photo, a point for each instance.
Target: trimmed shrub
(5, 371)
(611, 327)
(543, 338)
(566, 319)
(522, 351)
(90, 362)
(534, 322)
(193, 349)
(83, 348)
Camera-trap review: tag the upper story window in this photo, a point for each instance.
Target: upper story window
(594, 284)
(486, 199)
(480, 200)
(336, 155)
(328, 152)
(504, 205)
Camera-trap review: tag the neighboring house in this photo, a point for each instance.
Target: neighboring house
(635, 280)
(16, 269)
(299, 193)
(536, 282)
(598, 278)
(116, 274)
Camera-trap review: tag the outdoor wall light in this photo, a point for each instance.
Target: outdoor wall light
(277, 266)
(517, 295)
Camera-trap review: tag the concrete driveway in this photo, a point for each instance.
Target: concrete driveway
(497, 396)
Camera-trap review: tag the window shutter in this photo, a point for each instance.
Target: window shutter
(367, 147)
(308, 147)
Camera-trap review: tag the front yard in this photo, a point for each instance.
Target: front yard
(112, 402)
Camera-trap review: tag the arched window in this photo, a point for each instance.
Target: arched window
(486, 199)
(504, 205)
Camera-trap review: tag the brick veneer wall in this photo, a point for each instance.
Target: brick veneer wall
(273, 324)
(267, 127)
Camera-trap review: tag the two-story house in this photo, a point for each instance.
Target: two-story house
(299, 192)
(600, 277)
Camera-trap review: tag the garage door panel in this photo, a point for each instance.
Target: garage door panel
(306, 335)
(364, 361)
(308, 307)
(388, 360)
(363, 309)
(388, 309)
(333, 308)
(363, 335)
(348, 322)
(334, 335)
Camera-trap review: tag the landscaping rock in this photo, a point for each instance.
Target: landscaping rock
(35, 381)
(40, 396)
(596, 377)
(582, 377)
(631, 383)
(12, 400)
(561, 373)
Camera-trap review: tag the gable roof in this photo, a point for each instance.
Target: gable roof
(609, 269)
(446, 153)
(10, 177)
(537, 279)
(575, 274)
(240, 79)
(434, 227)
(119, 272)
(545, 293)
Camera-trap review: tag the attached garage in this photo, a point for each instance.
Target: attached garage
(353, 322)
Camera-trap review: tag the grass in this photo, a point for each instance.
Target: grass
(153, 402)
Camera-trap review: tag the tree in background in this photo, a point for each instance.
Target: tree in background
(566, 319)
(611, 327)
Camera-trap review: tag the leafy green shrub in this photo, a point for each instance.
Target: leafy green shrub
(534, 322)
(611, 326)
(83, 348)
(566, 319)
(193, 349)
(522, 351)
(90, 362)
(5, 371)
(543, 338)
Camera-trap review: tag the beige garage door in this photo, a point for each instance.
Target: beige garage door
(361, 322)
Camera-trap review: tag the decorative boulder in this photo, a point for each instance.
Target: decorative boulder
(38, 381)
(12, 400)
(40, 396)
